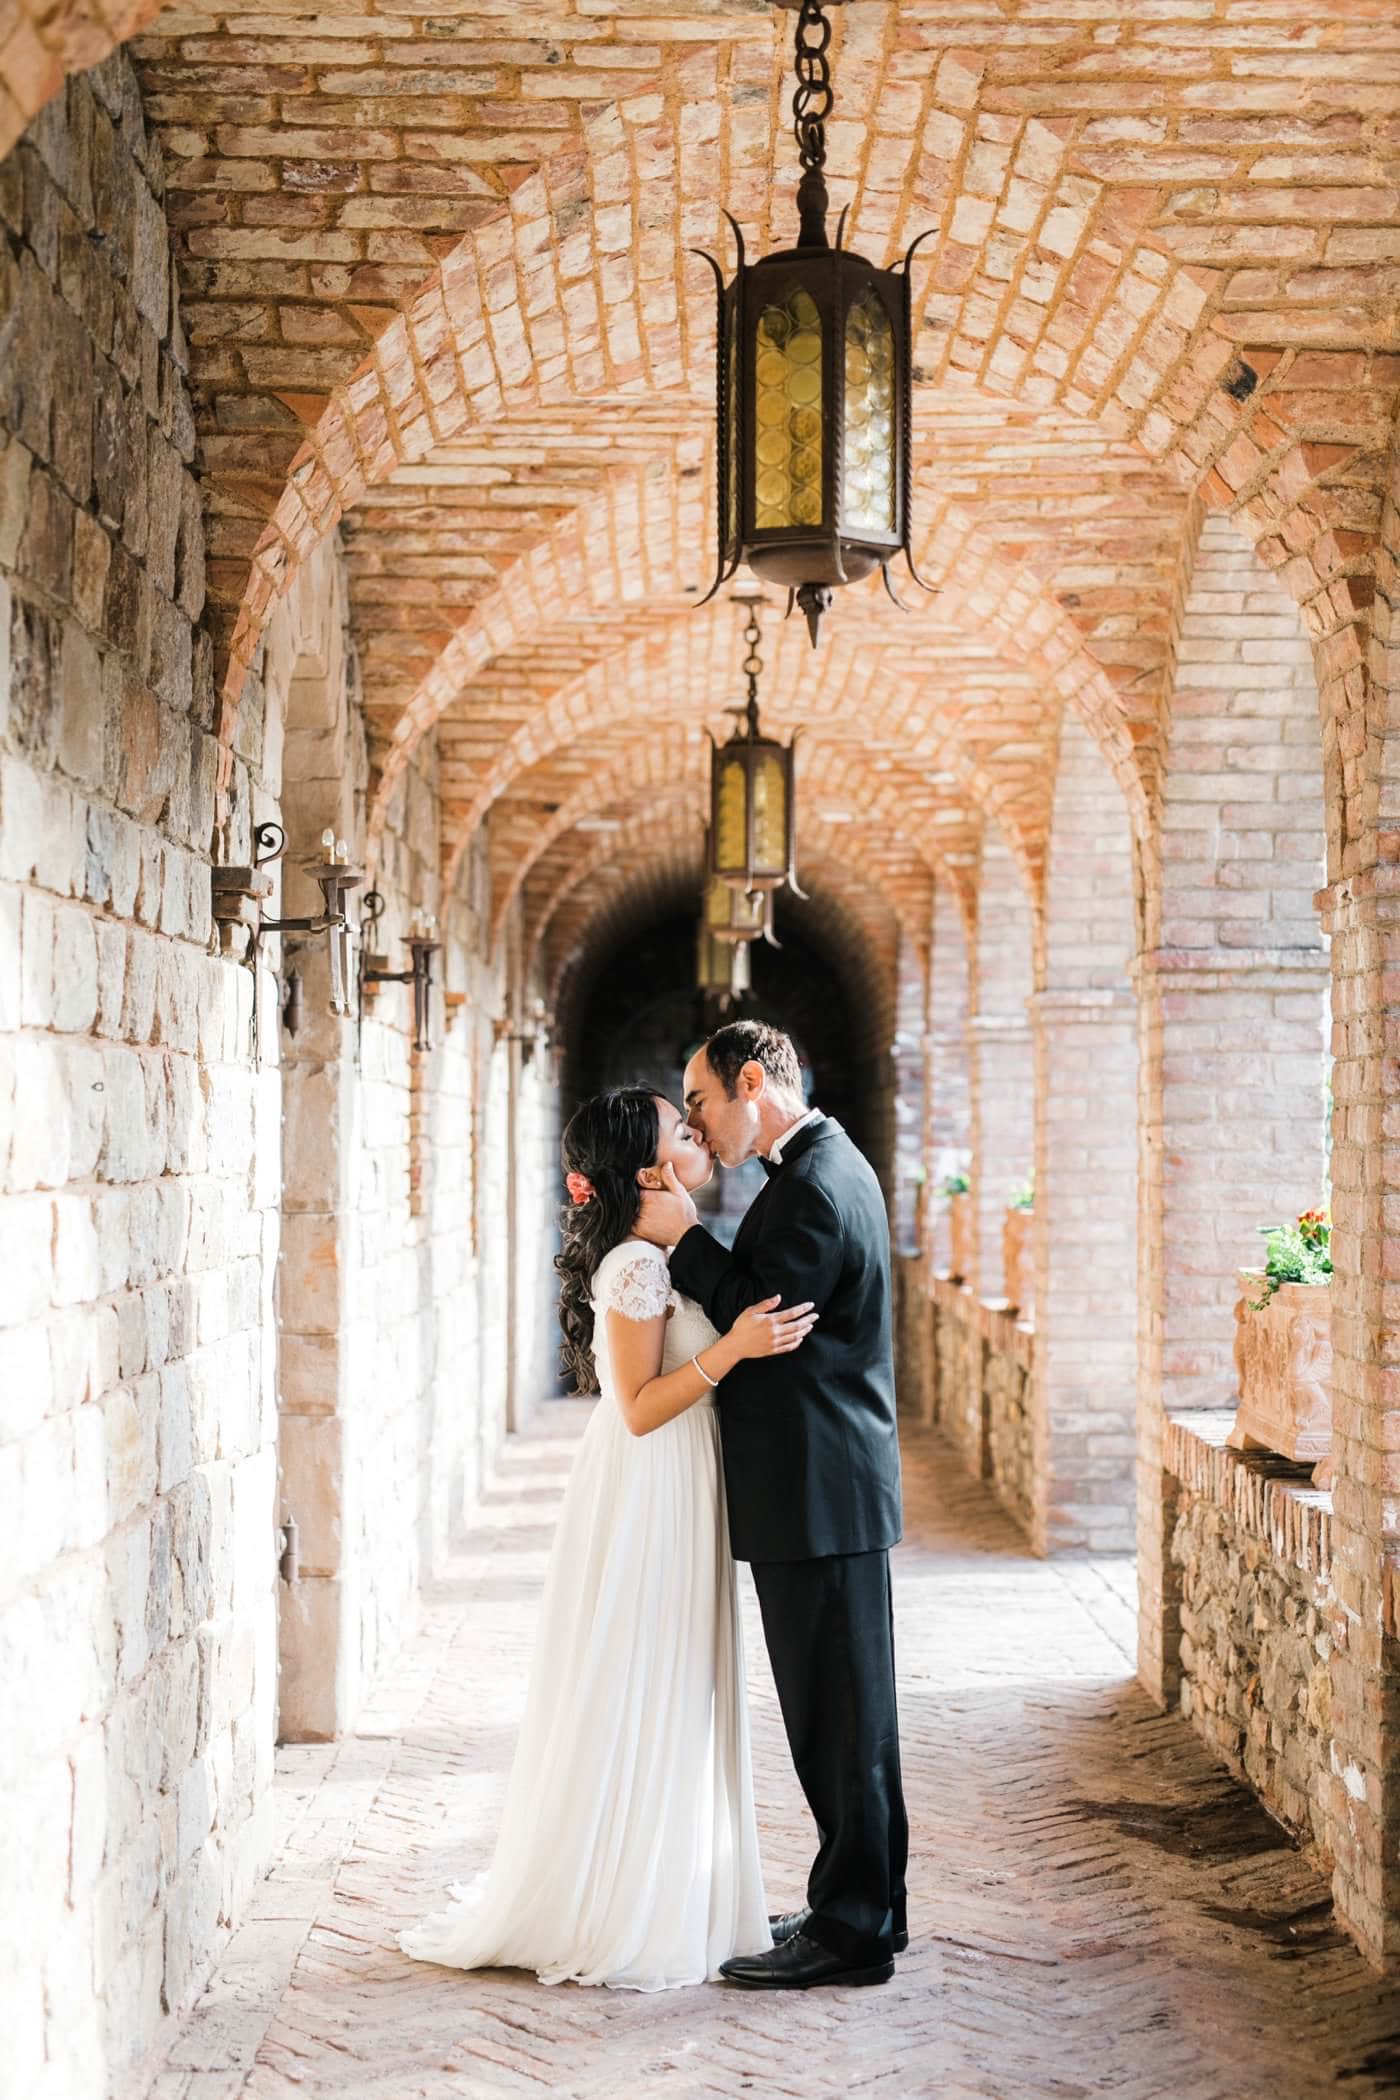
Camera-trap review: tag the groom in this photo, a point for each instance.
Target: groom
(811, 1467)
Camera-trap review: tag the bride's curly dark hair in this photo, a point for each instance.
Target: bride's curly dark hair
(609, 1140)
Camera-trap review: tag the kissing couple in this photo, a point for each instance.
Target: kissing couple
(627, 1851)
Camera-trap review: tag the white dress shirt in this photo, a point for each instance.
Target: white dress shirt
(775, 1151)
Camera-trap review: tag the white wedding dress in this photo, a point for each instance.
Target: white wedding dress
(627, 1852)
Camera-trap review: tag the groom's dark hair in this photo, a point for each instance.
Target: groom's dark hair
(740, 1043)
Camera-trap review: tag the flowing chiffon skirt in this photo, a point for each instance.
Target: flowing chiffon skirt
(628, 1850)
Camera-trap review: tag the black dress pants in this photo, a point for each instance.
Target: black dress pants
(830, 1635)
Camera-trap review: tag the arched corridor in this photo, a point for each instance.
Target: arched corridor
(1095, 1904)
(358, 685)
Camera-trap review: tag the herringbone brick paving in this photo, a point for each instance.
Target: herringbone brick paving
(1095, 1908)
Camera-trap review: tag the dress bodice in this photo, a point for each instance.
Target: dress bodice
(635, 1280)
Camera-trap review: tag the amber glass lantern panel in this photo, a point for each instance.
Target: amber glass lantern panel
(731, 812)
(787, 398)
(733, 914)
(721, 966)
(868, 459)
(711, 961)
(769, 791)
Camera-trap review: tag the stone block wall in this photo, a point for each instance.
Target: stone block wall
(914, 1364)
(248, 1274)
(1251, 1549)
(984, 1362)
(137, 1222)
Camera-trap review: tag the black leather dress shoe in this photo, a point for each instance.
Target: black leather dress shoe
(791, 1922)
(799, 1964)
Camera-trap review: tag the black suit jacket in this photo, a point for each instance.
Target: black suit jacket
(811, 1450)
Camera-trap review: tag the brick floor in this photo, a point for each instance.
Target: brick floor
(1095, 1908)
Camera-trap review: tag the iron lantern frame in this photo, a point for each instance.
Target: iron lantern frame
(810, 561)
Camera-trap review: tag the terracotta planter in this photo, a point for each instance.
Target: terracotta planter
(1017, 1260)
(1283, 1355)
(960, 1237)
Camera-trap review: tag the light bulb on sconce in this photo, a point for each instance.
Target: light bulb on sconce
(423, 945)
(240, 894)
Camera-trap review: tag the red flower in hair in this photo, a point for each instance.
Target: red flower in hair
(580, 1188)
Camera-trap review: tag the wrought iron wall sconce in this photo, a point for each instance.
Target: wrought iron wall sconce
(531, 1034)
(239, 893)
(423, 945)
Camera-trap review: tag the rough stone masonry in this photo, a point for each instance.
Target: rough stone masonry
(356, 393)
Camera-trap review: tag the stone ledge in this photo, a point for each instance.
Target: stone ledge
(1263, 1494)
(993, 1319)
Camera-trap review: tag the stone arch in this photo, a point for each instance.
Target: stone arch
(885, 703)
(840, 866)
(1144, 358)
(884, 808)
(43, 46)
(1035, 636)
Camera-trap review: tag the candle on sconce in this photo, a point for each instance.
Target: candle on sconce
(342, 853)
(328, 845)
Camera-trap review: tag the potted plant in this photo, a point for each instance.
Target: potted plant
(958, 1189)
(1283, 1346)
(1016, 1248)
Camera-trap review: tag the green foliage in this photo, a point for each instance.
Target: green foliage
(1023, 1196)
(1297, 1253)
(956, 1185)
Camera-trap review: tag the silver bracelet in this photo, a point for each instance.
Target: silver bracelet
(710, 1382)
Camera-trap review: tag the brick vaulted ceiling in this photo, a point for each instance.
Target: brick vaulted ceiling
(435, 287)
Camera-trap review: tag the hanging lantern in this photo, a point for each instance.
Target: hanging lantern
(813, 387)
(722, 968)
(753, 837)
(737, 915)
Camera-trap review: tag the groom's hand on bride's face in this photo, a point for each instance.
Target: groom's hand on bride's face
(667, 1213)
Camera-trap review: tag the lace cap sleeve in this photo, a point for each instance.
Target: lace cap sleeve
(634, 1281)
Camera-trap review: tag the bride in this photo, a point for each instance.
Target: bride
(627, 1852)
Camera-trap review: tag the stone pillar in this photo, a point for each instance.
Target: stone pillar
(947, 1072)
(1362, 1790)
(1085, 1373)
(909, 1190)
(1085, 1302)
(1000, 1058)
(320, 1616)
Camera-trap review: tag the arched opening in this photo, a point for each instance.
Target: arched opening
(306, 1280)
(1234, 984)
(632, 1015)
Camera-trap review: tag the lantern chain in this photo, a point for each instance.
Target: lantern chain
(753, 662)
(811, 104)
